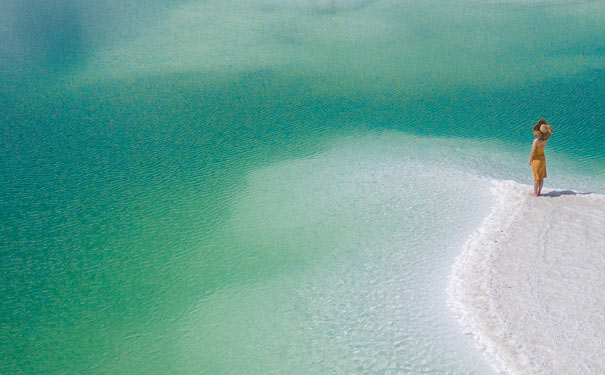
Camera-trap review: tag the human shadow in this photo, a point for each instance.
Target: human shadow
(558, 193)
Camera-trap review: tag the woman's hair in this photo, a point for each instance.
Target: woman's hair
(543, 136)
(539, 123)
(538, 134)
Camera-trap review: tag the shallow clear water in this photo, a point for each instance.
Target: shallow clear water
(270, 187)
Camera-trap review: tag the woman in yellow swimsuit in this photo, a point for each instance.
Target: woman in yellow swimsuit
(542, 131)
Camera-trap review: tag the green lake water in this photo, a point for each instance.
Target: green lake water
(270, 186)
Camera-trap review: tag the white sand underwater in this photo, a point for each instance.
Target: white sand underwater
(528, 286)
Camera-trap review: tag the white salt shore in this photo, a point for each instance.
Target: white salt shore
(529, 285)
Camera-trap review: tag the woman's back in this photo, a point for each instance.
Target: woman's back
(539, 151)
(541, 143)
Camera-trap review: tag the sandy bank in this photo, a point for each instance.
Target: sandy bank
(529, 285)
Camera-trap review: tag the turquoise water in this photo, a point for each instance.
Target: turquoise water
(270, 187)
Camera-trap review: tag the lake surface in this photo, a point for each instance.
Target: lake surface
(270, 186)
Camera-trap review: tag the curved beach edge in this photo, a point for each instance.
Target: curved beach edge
(527, 285)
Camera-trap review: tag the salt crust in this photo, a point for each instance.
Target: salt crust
(529, 284)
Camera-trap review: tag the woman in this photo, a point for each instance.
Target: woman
(542, 131)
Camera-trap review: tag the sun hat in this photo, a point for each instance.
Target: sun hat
(542, 130)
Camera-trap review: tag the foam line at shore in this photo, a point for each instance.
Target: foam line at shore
(528, 284)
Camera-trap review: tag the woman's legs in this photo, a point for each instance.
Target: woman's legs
(541, 183)
(536, 188)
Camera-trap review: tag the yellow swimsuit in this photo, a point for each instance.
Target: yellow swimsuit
(538, 164)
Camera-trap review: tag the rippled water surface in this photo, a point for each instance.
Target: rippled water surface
(270, 186)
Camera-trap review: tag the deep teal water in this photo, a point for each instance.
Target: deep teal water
(130, 138)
